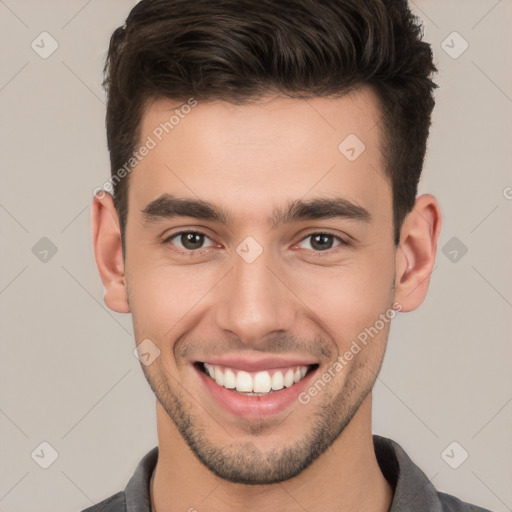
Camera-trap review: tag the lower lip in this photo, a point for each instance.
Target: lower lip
(255, 406)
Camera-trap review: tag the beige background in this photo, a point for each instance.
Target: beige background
(68, 375)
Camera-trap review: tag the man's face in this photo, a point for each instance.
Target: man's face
(258, 291)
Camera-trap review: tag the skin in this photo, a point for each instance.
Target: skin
(293, 300)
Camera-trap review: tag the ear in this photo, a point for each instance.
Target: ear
(108, 252)
(416, 253)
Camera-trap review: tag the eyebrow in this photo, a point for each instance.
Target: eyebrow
(168, 206)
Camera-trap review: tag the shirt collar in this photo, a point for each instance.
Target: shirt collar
(412, 490)
(137, 491)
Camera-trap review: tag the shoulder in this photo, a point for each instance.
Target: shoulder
(412, 490)
(116, 503)
(452, 504)
(136, 493)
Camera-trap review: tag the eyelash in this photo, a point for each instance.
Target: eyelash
(342, 242)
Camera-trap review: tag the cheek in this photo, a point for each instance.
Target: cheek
(350, 299)
(160, 297)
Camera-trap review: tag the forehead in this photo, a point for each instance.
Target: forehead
(259, 153)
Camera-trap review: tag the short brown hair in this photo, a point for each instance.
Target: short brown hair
(241, 50)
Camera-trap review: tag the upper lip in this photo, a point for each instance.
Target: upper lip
(257, 364)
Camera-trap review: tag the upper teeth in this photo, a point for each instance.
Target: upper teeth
(259, 382)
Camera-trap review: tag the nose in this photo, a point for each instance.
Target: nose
(255, 301)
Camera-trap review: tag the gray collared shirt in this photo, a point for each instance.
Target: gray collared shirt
(412, 490)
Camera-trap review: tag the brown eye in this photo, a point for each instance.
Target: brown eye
(321, 241)
(189, 240)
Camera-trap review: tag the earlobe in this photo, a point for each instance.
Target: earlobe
(416, 253)
(106, 239)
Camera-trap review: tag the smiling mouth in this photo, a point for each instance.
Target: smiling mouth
(261, 383)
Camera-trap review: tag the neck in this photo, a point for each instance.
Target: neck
(345, 477)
